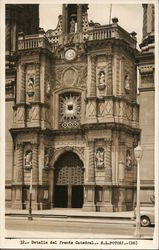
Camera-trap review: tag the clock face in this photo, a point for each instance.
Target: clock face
(70, 54)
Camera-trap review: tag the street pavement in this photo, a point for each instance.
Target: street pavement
(60, 228)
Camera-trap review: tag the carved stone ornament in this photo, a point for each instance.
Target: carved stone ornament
(30, 87)
(70, 110)
(102, 83)
(128, 159)
(100, 158)
(28, 159)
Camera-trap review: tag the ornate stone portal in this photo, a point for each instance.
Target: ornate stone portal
(75, 116)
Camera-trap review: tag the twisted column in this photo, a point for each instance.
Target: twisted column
(35, 163)
(108, 160)
(91, 171)
(109, 89)
(93, 76)
(23, 84)
(37, 83)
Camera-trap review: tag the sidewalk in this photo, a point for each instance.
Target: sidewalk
(63, 213)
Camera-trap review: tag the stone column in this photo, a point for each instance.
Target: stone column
(19, 167)
(23, 84)
(109, 83)
(106, 205)
(35, 164)
(18, 179)
(91, 172)
(51, 187)
(108, 160)
(8, 35)
(121, 162)
(35, 177)
(93, 76)
(79, 17)
(37, 83)
(89, 188)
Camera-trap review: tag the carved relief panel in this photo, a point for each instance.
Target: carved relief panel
(75, 75)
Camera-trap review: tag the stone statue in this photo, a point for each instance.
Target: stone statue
(28, 159)
(102, 77)
(127, 82)
(72, 26)
(101, 84)
(30, 83)
(30, 86)
(46, 159)
(100, 158)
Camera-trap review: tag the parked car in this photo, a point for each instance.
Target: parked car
(147, 216)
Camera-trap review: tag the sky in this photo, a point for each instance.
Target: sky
(130, 16)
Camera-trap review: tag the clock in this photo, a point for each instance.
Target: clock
(70, 54)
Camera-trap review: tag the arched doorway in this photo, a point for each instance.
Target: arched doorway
(68, 181)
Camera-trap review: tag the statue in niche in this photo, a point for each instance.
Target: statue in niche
(72, 26)
(127, 82)
(46, 158)
(100, 157)
(128, 159)
(101, 84)
(30, 86)
(28, 159)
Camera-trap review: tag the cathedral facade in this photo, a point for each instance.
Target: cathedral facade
(72, 113)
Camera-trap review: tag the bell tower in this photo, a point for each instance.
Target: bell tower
(72, 17)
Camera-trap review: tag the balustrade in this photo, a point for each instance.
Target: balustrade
(33, 42)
